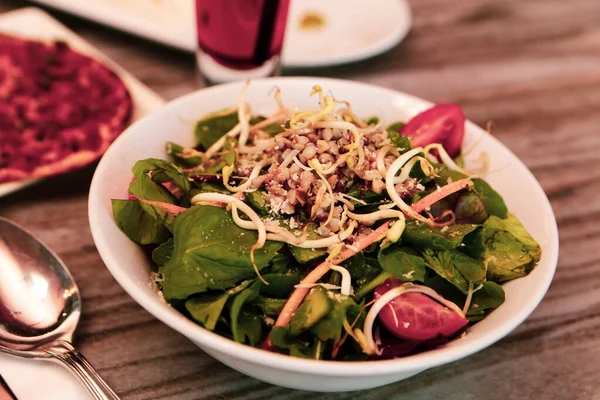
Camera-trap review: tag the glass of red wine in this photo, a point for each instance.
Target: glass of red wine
(239, 39)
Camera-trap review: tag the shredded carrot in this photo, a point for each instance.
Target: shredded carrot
(439, 194)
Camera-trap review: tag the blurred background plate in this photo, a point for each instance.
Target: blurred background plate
(33, 23)
(344, 30)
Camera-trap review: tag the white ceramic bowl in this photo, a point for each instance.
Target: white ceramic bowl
(175, 122)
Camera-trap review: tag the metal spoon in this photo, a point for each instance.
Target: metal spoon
(40, 306)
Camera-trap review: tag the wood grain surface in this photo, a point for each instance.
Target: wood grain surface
(532, 67)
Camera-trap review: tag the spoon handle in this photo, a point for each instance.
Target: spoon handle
(64, 353)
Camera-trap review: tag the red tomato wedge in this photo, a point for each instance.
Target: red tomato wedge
(442, 123)
(416, 316)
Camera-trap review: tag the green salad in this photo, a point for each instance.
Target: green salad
(324, 235)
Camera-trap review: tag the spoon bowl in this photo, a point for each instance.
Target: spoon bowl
(40, 306)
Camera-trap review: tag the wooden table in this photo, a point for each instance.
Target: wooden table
(531, 67)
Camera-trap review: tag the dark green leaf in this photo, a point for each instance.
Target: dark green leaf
(138, 225)
(399, 141)
(316, 305)
(474, 244)
(485, 300)
(403, 262)
(213, 126)
(242, 325)
(490, 296)
(446, 289)
(331, 325)
(207, 308)
(306, 255)
(209, 187)
(374, 120)
(420, 235)
(162, 171)
(445, 174)
(258, 200)
(273, 129)
(210, 252)
(281, 264)
(249, 326)
(162, 253)
(185, 157)
(149, 175)
(470, 209)
(494, 204)
(473, 270)
(356, 266)
(268, 305)
(511, 252)
(456, 267)
(281, 339)
(362, 271)
(280, 285)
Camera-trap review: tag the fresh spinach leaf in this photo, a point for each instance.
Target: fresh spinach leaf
(303, 255)
(356, 266)
(446, 289)
(281, 264)
(399, 141)
(186, 157)
(511, 252)
(454, 266)
(422, 236)
(469, 209)
(209, 187)
(207, 308)
(280, 285)
(282, 340)
(363, 269)
(374, 120)
(473, 244)
(243, 325)
(316, 305)
(138, 225)
(210, 252)
(494, 204)
(490, 296)
(445, 174)
(272, 129)
(471, 269)
(258, 200)
(162, 253)
(403, 262)
(213, 126)
(331, 325)
(269, 306)
(149, 175)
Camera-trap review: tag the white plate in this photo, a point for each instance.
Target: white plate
(53, 381)
(34, 23)
(353, 29)
(175, 122)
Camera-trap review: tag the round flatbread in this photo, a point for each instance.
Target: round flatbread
(59, 110)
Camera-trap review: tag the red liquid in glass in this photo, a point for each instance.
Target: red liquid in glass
(241, 34)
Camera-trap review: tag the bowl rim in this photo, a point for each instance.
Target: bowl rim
(215, 342)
